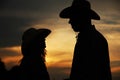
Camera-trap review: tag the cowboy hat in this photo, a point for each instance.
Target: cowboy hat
(33, 33)
(79, 8)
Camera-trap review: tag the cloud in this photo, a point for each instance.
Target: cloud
(111, 18)
(111, 21)
(116, 76)
(117, 3)
(17, 15)
(115, 64)
(10, 52)
(11, 30)
(35, 5)
(115, 67)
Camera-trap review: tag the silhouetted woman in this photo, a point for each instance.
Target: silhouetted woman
(33, 49)
(91, 55)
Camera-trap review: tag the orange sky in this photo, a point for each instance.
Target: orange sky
(60, 46)
(60, 43)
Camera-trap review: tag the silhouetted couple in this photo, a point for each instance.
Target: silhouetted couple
(91, 56)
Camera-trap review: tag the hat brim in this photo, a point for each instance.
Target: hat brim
(68, 13)
(44, 32)
(33, 33)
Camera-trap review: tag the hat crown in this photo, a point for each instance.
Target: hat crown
(81, 4)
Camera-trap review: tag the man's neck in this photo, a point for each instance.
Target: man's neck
(87, 28)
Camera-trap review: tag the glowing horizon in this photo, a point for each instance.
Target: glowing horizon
(18, 15)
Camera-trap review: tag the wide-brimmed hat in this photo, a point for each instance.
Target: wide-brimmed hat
(33, 33)
(79, 8)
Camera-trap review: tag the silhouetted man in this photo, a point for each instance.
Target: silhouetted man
(91, 56)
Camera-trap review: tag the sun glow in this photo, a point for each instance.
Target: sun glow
(16, 49)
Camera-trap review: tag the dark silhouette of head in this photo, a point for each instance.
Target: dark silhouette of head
(80, 14)
(33, 49)
(33, 41)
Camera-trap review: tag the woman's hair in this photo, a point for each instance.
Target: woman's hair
(34, 48)
(33, 42)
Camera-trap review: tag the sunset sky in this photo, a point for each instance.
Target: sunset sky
(18, 15)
